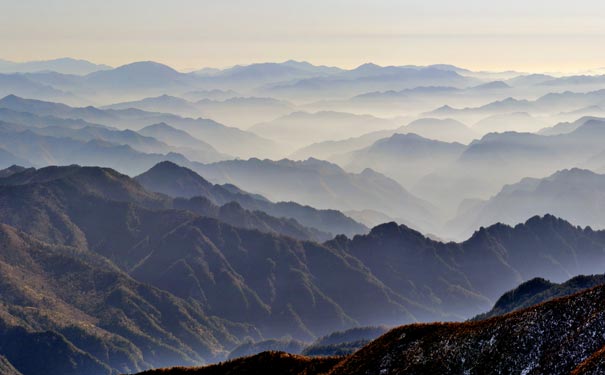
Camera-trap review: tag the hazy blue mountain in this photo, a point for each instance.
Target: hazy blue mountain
(515, 121)
(367, 78)
(33, 120)
(85, 131)
(322, 185)
(302, 128)
(239, 111)
(499, 159)
(591, 110)
(563, 101)
(494, 85)
(124, 83)
(576, 80)
(446, 130)
(7, 159)
(138, 75)
(404, 157)
(45, 108)
(176, 181)
(190, 146)
(63, 65)
(328, 149)
(529, 79)
(225, 139)
(131, 138)
(31, 148)
(163, 103)
(244, 111)
(414, 100)
(213, 94)
(568, 127)
(246, 77)
(20, 85)
(575, 194)
(507, 105)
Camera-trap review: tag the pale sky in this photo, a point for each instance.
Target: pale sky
(529, 35)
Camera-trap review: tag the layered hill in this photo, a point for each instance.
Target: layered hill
(224, 138)
(176, 181)
(125, 281)
(322, 185)
(575, 194)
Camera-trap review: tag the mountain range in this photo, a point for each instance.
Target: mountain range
(575, 194)
(299, 129)
(173, 283)
(237, 111)
(176, 181)
(225, 139)
(62, 65)
(151, 217)
(320, 184)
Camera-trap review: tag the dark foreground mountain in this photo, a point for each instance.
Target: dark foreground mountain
(562, 336)
(539, 290)
(128, 283)
(264, 363)
(552, 338)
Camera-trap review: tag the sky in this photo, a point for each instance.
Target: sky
(529, 35)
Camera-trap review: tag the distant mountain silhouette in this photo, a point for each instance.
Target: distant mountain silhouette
(237, 111)
(322, 185)
(516, 121)
(303, 128)
(575, 194)
(499, 159)
(163, 103)
(62, 65)
(7, 159)
(568, 127)
(327, 150)
(91, 149)
(367, 78)
(446, 130)
(21, 85)
(137, 75)
(195, 148)
(223, 138)
(404, 157)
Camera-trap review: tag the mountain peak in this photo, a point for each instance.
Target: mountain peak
(148, 66)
